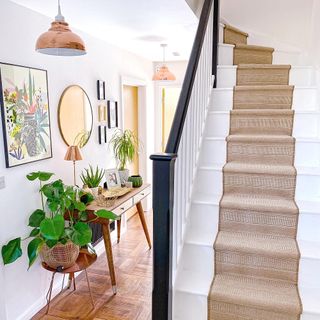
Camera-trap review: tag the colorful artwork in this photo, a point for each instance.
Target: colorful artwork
(25, 114)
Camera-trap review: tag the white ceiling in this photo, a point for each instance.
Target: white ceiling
(140, 26)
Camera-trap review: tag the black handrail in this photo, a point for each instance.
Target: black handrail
(163, 173)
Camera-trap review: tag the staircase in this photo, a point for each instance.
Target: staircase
(256, 195)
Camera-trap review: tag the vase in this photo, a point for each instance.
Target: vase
(124, 176)
(95, 192)
(136, 180)
(29, 134)
(60, 255)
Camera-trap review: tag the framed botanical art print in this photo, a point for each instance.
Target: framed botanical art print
(112, 114)
(25, 114)
(101, 87)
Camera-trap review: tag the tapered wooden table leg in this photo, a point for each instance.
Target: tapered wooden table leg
(143, 222)
(108, 246)
(118, 230)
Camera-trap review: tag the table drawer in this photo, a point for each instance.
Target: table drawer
(123, 207)
(142, 194)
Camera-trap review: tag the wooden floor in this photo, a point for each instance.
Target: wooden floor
(133, 263)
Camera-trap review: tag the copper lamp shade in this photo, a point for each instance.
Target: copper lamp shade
(59, 40)
(164, 74)
(73, 154)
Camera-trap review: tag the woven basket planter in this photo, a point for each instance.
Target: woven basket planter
(61, 255)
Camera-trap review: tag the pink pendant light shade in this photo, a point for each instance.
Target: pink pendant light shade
(59, 40)
(163, 73)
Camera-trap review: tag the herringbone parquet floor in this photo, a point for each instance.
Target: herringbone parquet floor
(133, 263)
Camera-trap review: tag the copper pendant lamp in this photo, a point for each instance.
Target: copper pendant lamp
(163, 73)
(59, 40)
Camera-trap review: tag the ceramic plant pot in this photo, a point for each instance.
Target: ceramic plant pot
(136, 181)
(95, 192)
(61, 255)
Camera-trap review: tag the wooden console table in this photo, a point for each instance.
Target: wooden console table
(122, 204)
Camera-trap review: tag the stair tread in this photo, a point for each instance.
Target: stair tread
(262, 112)
(260, 138)
(264, 66)
(258, 293)
(257, 203)
(239, 167)
(264, 87)
(253, 47)
(258, 244)
(227, 26)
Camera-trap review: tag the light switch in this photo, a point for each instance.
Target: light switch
(2, 183)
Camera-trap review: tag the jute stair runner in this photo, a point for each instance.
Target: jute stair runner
(256, 252)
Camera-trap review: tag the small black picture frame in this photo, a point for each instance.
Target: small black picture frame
(101, 90)
(112, 114)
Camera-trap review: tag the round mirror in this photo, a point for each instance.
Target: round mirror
(75, 116)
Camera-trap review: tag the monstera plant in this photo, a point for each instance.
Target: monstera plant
(62, 222)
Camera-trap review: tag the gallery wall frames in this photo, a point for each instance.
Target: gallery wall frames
(103, 137)
(112, 114)
(101, 90)
(25, 114)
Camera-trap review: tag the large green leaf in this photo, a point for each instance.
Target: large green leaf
(80, 206)
(82, 234)
(106, 214)
(42, 176)
(33, 249)
(52, 229)
(11, 251)
(34, 232)
(36, 218)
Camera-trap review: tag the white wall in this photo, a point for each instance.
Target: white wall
(23, 290)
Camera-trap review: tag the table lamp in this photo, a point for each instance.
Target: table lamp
(73, 154)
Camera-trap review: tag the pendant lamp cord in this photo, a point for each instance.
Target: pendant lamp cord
(59, 17)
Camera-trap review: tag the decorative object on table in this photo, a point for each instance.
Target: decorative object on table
(102, 201)
(92, 178)
(25, 114)
(113, 178)
(54, 237)
(103, 137)
(73, 154)
(129, 185)
(101, 90)
(117, 191)
(136, 180)
(59, 40)
(112, 114)
(75, 116)
(125, 145)
(163, 73)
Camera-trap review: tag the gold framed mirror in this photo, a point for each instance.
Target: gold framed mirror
(75, 116)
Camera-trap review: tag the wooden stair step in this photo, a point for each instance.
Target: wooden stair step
(233, 35)
(250, 54)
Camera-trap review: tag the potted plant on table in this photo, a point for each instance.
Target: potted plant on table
(125, 145)
(92, 179)
(60, 228)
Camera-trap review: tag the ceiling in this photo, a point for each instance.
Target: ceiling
(139, 26)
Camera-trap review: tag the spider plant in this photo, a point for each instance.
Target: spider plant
(125, 145)
(91, 177)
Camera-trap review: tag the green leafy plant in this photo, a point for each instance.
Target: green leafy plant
(62, 218)
(125, 145)
(91, 177)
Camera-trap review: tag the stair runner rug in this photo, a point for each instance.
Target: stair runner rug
(256, 252)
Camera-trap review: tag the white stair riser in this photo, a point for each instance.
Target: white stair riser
(204, 218)
(306, 125)
(188, 306)
(304, 99)
(225, 56)
(198, 258)
(209, 182)
(309, 273)
(309, 226)
(214, 152)
(300, 76)
(309, 316)
(221, 33)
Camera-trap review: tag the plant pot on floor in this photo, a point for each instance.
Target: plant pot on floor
(61, 255)
(136, 181)
(124, 176)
